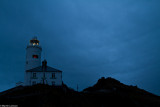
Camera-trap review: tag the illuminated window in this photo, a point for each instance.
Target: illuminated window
(34, 44)
(35, 56)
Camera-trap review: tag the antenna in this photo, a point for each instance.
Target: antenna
(77, 87)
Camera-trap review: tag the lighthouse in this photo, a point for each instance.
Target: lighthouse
(33, 54)
(37, 73)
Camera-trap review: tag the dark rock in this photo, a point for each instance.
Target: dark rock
(107, 92)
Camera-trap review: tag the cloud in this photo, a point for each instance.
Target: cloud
(86, 39)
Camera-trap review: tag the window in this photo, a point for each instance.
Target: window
(33, 82)
(35, 56)
(53, 75)
(53, 83)
(34, 75)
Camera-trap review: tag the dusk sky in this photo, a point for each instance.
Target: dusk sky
(86, 39)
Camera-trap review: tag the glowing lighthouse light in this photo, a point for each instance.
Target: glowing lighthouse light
(34, 41)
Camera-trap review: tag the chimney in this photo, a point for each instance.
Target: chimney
(44, 68)
(44, 65)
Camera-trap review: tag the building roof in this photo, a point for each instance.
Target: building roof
(39, 69)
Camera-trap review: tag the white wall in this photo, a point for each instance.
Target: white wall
(39, 75)
(30, 61)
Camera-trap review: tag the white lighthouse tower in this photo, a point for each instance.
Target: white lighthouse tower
(37, 73)
(33, 54)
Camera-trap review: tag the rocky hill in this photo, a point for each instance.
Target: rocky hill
(107, 92)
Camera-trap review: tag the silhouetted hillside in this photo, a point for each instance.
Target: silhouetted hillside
(110, 92)
(107, 92)
(112, 85)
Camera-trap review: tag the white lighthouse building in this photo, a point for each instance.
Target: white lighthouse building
(37, 73)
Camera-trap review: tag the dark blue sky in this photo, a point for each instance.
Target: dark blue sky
(86, 39)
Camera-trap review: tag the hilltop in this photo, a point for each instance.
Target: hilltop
(107, 92)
